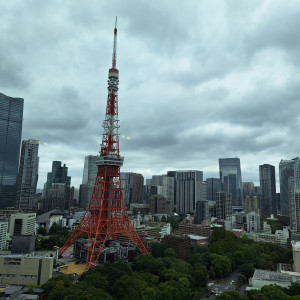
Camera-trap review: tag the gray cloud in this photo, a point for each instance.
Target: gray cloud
(199, 80)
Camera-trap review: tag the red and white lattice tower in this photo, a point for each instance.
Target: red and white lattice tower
(106, 216)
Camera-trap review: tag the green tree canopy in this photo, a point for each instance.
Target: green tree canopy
(229, 295)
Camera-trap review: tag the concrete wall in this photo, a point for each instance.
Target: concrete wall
(22, 270)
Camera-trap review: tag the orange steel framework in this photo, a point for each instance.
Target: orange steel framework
(106, 216)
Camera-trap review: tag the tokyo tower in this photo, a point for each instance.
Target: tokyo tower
(106, 216)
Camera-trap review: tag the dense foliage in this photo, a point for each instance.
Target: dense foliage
(246, 254)
(276, 224)
(164, 277)
(57, 236)
(161, 275)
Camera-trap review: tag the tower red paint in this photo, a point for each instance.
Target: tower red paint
(106, 216)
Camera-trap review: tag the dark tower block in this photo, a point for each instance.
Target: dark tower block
(106, 215)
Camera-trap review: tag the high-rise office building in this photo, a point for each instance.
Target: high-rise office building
(213, 185)
(202, 211)
(11, 119)
(251, 204)
(163, 185)
(28, 175)
(286, 170)
(158, 204)
(223, 205)
(268, 189)
(126, 182)
(59, 174)
(231, 180)
(132, 187)
(137, 191)
(294, 197)
(58, 188)
(88, 180)
(188, 189)
(248, 189)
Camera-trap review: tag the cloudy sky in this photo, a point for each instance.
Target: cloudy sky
(199, 80)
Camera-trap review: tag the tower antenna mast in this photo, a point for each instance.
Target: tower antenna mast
(106, 216)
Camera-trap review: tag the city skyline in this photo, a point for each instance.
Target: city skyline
(198, 81)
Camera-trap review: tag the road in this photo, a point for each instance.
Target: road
(227, 284)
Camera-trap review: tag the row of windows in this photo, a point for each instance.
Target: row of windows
(18, 276)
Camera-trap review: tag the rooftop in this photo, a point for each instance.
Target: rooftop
(274, 276)
(197, 237)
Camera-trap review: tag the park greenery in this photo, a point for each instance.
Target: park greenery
(161, 275)
(276, 224)
(57, 236)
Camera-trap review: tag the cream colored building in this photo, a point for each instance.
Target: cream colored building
(296, 255)
(22, 224)
(20, 269)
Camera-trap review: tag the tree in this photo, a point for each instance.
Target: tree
(148, 264)
(254, 295)
(51, 283)
(129, 288)
(158, 249)
(194, 258)
(229, 295)
(149, 293)
(272, 292)
(42, 230)
(238, 258)
(57, 229)
(58, 292)
(200, 275)
(220, 266)
(114, 271)
(247, 270)
(82, 290)
(294, 289)
(169, 252)
(97, 280)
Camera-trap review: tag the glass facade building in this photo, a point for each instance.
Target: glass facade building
(231, 180)
(28, 174)
(268, 189)
(59, 174)
(286, 170)
(213, 185)
(11, 119)
(188, 189)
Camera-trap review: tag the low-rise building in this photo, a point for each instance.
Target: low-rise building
(20, 269)
(270, 238)
(197, 240)
(264, 277)
(197, 229)
(180, 243)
